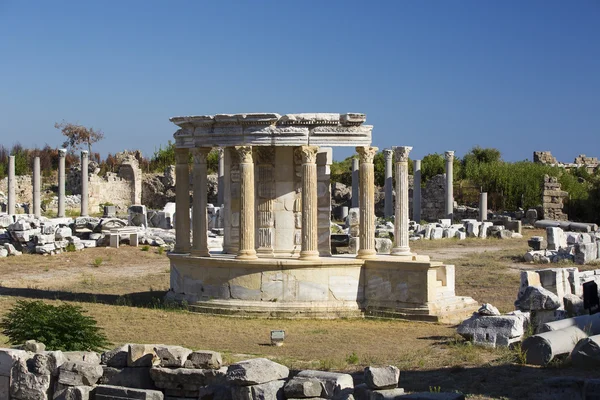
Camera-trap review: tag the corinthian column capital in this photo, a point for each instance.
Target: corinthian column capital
(366, 154)
(245, 154)
(449, 155)
(200, 154)
(308, 154)
(402, 153)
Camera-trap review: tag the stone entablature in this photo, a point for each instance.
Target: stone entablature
(269, 129)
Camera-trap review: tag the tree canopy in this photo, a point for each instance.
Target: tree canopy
(78, 136)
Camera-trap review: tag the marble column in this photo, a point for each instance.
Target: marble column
(309, 249)
(37, 204)
(11, 185)
(182, 201)
(247, 249)
(221, 178)
(62, 153)
(483, 206)
(449, 155)
(367, 202)
(401, 247)
(417, 191)
(84, 183)
(199, 218)
(355, 183)
(388, 184)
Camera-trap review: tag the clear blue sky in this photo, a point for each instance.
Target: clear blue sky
(436, 75)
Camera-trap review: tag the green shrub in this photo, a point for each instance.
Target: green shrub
(145, 248)
(63, 327)
(70, 247)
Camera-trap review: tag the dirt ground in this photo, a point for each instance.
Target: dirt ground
(123, 289)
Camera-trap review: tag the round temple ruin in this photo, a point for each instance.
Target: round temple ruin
(276, 259)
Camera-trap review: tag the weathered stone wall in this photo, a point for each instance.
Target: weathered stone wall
(552, 199)
(23, 189)
(582, 159)
(432, 199)
(544, 157)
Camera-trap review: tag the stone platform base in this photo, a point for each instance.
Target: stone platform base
(409, 287)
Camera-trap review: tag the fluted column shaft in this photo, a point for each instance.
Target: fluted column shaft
(221, 178)
(417, 191)
(389, 184)
(401, 246)
(355, 183)
(11, 185)
(310, 247)
(37, 204)
(62, 153)
(449, 155)
(199, 218)
(247, 241)
(367, 202)
(84, 183)
(182, 201)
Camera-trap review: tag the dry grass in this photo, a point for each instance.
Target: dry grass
(125, 290)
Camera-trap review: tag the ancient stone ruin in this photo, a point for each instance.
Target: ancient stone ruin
(276, 258)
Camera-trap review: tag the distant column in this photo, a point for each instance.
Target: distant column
(449, 155)
(62, 153)
(84, 183)
(417, 191)
(309, 249)
(37, 204)
(355, 182)
(389, 184)
(401, 247)
(199, 218)
(221, 177)
(367, 203)
(247, 249)
(483, 206)
(182, 201)
(11, 185)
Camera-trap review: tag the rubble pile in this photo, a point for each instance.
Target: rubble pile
(156, 372)
(559, 245)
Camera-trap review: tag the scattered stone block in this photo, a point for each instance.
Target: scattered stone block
(265, 391)
(172, 356)
(537, 298)
(302, 388)
(382, 377)
(492, 331)
(488, 309)
(9, 357)
(586, 353)
(333, 384)
(138, 377)
(537, 243)
(585, 252)
(79, 373)
(30, 382)
(204, 359)
(256, 371)
(86, 356)
(437, 233)
(461, 235)
(54, 360)
(556, 238)
(141, 355)
(34, 346)
(64, 392)
(573, 305)
(186, 378)
(107, 392)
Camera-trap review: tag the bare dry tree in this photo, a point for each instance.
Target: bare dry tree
(78, 135)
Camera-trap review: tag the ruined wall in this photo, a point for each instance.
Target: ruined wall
(432, 199)
(552, 199)
(23, 189)
(544, 157)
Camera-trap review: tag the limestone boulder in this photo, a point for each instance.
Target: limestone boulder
(302, 388)
(186, 378)
(79, 373)
(54, 360)
(537, 298)
(488, 309)
(30, 380)
(265, 391)
(141, 355)
(586, 353)
(382, 377)
(333, 384)
(172, 356)
(86, 356)
(34, 346)
(255, 371)
(493, 331)
(64, 392)
(204, 359)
